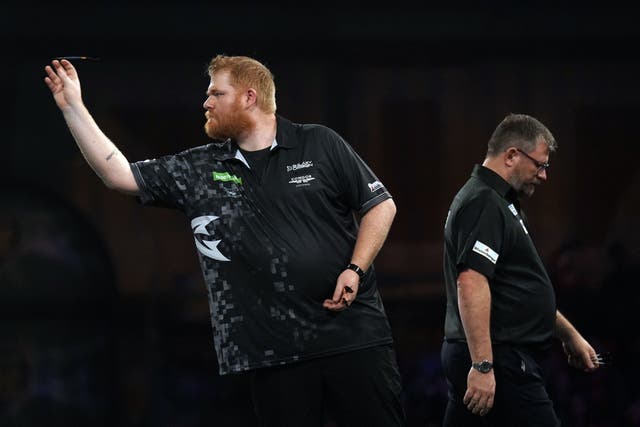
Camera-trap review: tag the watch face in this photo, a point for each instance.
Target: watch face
(484, 366)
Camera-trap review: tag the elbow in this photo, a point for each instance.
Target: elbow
(120, 184)
(391, 208)
(109, 180)
(110, 184)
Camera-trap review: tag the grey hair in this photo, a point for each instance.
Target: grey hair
(520, 131)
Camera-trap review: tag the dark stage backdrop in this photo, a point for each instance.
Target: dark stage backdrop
(104, 312)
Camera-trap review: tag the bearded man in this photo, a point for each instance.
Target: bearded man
(289, 270)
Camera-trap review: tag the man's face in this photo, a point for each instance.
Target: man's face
(225, 110)
(528, 172)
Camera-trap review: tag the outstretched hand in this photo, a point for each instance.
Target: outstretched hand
(345, 291)
(62, 79)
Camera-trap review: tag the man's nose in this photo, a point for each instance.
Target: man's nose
(542, 174)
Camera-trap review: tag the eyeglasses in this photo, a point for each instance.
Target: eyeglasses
(542, 166)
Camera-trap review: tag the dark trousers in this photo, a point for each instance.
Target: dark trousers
(358, 389)
(521, 398)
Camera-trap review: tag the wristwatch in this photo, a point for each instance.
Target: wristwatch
(485, 366)
(357, 269)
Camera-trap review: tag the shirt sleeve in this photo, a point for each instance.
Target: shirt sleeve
(162, 181)
(360, 186)
(479, 236)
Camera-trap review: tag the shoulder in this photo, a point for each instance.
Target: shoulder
(206, 152)
(475, 198)
(310, 132)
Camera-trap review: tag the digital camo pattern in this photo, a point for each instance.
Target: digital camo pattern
(271, 247)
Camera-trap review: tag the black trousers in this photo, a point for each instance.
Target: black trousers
(357, 389)
(521, 398)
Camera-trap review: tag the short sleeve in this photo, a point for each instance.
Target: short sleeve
(479, 235)
(361, 187)
(163, 181)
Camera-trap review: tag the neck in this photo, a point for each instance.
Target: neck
(497, 165)
(261, 135)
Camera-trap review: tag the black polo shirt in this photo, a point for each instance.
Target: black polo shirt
(271, 245)
(486, 231)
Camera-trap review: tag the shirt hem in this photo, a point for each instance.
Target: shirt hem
(289, 360)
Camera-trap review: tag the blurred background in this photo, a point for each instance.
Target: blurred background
(104, 311)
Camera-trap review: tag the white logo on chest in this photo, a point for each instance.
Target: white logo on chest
(301, 180)
(208, 248)
(301, 165)
(515, 213)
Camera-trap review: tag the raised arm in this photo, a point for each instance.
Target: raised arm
(102, 155)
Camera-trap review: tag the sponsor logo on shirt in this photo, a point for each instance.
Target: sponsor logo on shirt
(226, 177)
(375, 185)
(515, 213)
(485, 251)
(208, 248)
(523, 227)
(301, 165)
(302, 180)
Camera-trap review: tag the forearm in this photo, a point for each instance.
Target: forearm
(474, 304)
(563, 329)
(100, 153)
(374, 228)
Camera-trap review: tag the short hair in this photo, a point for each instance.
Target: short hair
(247, 72)
(520, 131)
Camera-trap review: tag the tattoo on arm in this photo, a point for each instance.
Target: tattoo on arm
(111, 155)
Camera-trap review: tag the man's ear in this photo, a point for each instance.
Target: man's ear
(251, 97)
(509, 156)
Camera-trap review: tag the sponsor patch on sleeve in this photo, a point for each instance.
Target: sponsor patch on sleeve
(375, 185)
(485, 251)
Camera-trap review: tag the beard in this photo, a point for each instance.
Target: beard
(523, 185)
(526, 190)
(233, 124)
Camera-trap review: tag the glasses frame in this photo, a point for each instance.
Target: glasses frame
(542, 166)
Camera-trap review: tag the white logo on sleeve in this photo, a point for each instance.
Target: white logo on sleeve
(208, 248)
(485, 251)
(375, 185)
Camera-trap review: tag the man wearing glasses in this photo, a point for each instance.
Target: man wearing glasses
(501, 307)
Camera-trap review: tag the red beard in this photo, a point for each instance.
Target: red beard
(234, 124)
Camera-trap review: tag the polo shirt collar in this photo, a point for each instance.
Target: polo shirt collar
(285, 137)
(496, 182)
(240, 156)
(285, 133)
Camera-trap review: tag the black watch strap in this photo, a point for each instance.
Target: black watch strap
(357, 269)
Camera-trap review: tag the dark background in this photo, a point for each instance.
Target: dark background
(103, 312)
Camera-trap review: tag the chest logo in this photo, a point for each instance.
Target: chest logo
(301, 181)
(515, 213)
(301, 165)
(208, 248)
(226, 177)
